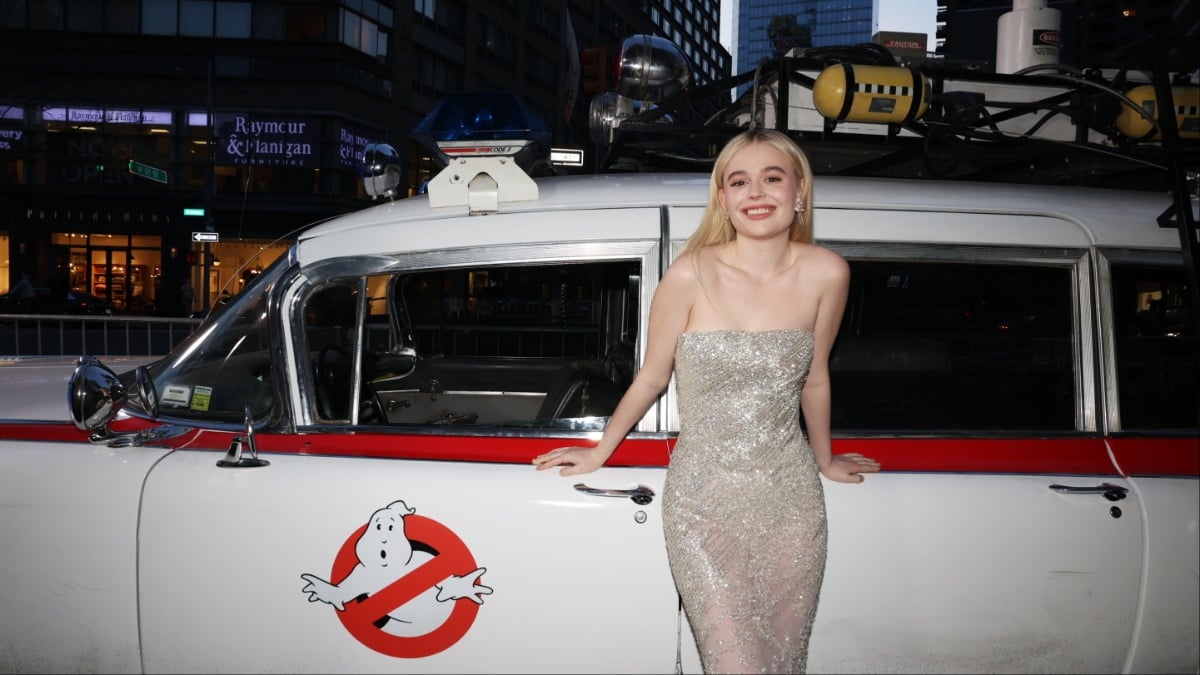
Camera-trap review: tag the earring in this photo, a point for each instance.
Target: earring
(799, 206)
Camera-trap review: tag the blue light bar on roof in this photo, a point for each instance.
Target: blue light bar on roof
(483, 123)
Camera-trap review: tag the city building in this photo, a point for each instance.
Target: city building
(766, 29)
(148, 142)
(694, 26)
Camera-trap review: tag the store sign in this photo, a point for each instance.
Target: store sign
(351, 141)
(107, 116)
(10, 140)
(83, 216)
(268, 140)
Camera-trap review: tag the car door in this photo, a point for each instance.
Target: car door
(426, 542)
(1000, 536)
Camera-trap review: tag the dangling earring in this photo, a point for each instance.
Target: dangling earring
(725, 215)
(799, 206)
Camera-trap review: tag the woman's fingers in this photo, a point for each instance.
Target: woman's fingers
(553, 458)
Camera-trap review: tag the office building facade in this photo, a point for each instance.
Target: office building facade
(145, 142)
(766, 29)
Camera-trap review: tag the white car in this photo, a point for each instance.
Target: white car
(333, 473)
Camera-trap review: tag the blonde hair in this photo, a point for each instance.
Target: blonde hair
(715, 227)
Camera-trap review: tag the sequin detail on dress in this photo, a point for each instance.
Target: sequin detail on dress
(743, 505)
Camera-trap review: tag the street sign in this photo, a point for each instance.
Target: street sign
(206, 237)
(147, 171)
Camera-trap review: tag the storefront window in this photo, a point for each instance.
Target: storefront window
(5, 268)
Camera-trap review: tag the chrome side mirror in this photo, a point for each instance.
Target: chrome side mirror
(381, 170)
(95, 394)
(243, 450)
(146, 391)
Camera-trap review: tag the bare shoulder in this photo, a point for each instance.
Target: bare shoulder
(824, 263)
(684, 270)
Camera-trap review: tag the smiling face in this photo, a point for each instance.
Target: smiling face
(759, 190)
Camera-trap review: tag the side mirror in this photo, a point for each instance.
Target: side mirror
(146, 391)
(95, 394)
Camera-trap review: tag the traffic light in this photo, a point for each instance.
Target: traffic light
(594, 62)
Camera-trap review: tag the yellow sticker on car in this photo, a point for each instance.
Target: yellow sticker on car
(201, 397)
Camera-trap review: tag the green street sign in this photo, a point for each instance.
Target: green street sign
(147, 171)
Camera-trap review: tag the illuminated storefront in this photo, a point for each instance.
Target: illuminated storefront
(119, 195)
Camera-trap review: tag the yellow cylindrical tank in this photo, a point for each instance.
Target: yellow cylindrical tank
(861, 93)
(1187, 112)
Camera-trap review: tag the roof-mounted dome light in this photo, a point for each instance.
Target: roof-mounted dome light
(652, 68)
(380, 170)
(492, 124)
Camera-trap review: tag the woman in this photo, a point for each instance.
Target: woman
(745, 317)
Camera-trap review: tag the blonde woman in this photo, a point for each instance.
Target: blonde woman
(745, 317)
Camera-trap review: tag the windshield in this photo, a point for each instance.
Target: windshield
(228, 363)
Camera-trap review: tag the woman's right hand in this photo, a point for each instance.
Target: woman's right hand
(574, 460)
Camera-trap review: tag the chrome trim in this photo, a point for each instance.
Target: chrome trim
(955, 252)
(642, 251)
(356, 358)
(475, 431)
(641, 494)
(144, 437)
(1110, 410)
(243, 450)
(1113, 493)
(1084, 345)
(1105, 257)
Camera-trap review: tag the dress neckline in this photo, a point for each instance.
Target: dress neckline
(737, 331)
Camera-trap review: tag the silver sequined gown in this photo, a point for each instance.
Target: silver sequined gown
(743, 506)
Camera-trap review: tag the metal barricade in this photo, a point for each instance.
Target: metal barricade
(70, 335)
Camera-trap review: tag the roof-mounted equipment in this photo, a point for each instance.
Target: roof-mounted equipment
(1141, 123)
(651, 69)
(867, 93)
(489, 144)
(380, 170)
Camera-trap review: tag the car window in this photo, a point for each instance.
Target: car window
(227, 364)
(517, 346)
(942, 346)
(1155, 343)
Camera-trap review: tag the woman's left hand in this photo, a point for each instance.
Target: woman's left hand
(848, 467)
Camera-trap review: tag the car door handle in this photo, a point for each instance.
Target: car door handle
(640, 494)
(1113, 493)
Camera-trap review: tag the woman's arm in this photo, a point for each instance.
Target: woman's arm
(669, 312)
(817, 396)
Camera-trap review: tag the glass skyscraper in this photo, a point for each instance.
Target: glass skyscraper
(764, 29)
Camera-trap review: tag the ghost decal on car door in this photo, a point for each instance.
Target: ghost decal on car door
(403, 584)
